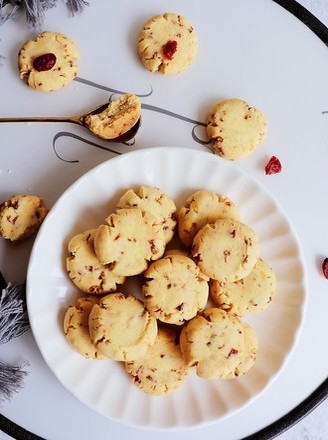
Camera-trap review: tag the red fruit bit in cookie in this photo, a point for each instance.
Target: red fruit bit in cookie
(232, 352)
(44, 62)
(226, 254)
(325, 267)
(169, 49)
(273, 166)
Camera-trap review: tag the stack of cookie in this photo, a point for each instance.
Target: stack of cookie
(171, 324)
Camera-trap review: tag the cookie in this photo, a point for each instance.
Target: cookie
(220, 345)
(129, 241)
(174, 291)
(49, 62)
(21, 216)
(76, 328)
(201, 208)
(162, 369)
(154, 201)
(235, 128)
(84, 268)
(226, 250)
(167, 44)
(118, 118)
(121, 328)
(253, 293)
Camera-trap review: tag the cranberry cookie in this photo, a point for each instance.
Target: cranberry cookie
(162, 369)
(84, 268)
(118, 118)
(129, 241)
(167, 44)
(174, 291)
(219, 345)
(235, 128)
(154, 201)
(76, 328)
(201, 208)
(21, 216)
(253, 293)
(121, 328)
(49, 62)
(226, 250)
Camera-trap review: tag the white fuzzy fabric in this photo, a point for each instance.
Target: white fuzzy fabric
(13, 313)
(35, 9)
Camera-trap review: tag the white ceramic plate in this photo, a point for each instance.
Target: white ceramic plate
(104, 385)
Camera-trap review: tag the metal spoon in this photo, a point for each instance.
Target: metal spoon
(80, 120)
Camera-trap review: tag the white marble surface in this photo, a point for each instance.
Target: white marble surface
(312, 427)
(315, 425)
(318, 7)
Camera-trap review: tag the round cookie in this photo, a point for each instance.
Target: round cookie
(167, 44)
(174, 291)
(21, 216)
(130, 240)
(118, 118)
(219, 345)
(121, 328)
(49, 62)
(235, 128)
(253, 293)
(162, 369)
(154, 201)
(226, 250)
(84, 268)
(76, 328)
(201, 208)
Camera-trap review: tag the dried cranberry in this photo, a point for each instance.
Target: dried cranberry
(169, 49)
(273, 166)
(232, 352)
(44, 62)
(325, 267)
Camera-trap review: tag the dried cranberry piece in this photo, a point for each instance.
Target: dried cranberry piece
(169, 49)
(232, 352)
(325, 267)
(273, 166)
(44, 62)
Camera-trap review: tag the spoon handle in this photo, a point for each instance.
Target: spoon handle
(74, 119)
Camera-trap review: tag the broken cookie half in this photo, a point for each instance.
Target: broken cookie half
(117, 118)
